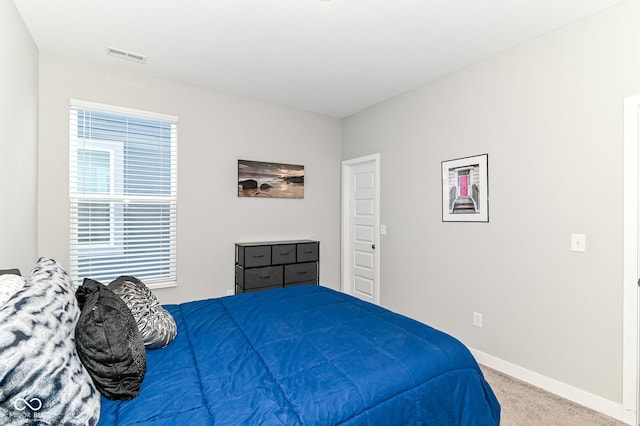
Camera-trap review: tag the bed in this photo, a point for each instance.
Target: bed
(303, 355)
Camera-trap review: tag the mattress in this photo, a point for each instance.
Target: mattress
(305, 355)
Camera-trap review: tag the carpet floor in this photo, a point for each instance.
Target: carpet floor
(525, 405)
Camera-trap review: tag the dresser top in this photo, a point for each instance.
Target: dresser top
(273, 243)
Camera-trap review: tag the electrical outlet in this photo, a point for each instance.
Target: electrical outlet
(477, 319)
(230, 292)
(578, 242)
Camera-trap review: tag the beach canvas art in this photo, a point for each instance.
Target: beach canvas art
(270, 180)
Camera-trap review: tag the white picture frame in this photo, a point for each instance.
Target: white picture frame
(465, 189)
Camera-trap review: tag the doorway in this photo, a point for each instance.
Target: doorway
(631, 261)
(361, 228)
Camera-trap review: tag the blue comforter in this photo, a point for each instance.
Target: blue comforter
(305, 355)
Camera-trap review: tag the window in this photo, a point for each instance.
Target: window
(123, 183)
(94, 177)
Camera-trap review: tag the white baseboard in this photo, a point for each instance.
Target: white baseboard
(563, 390)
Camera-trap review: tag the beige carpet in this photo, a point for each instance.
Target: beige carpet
(526, 405)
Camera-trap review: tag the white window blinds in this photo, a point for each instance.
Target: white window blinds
(123, 184)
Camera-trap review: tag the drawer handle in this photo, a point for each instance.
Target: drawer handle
(302, 273)
(308, 252)
(266, 277)
(258, 256)
(285, 254)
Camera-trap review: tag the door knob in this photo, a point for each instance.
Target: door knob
(373, 246)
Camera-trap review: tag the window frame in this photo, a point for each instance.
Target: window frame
(119, 196)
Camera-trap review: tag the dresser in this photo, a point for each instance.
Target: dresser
(275, 264)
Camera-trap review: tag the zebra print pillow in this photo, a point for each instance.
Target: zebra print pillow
(157, 326)
(42, 380)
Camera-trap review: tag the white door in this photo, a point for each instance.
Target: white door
(360, 225)
(631, 271)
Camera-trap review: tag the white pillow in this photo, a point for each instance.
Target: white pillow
(9, 285)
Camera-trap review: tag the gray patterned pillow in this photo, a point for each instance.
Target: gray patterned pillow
(157, 326)
(42, 380)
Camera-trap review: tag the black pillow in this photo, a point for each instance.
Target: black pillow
(14, 271)
(108, 342)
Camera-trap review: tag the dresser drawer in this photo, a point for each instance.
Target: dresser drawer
(250, 257)
(253, 290)
(294, 284)
(283, 253)
(307, 252)
(260, 277)
(301, 273)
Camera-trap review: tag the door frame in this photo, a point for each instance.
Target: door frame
(345, 266)
(631, 271)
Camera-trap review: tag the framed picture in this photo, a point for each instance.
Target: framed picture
(465, 189)
(270, 180)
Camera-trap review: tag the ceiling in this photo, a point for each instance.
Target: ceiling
(334, 57)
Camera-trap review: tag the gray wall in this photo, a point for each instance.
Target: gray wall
(215, 130)
(19, 142)
(549, 114)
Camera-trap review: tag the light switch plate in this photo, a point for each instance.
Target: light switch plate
(383, 229)
(578, 242)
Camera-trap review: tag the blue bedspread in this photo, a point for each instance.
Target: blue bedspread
(305, 355)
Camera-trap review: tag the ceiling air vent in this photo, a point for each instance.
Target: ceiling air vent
(129, 56)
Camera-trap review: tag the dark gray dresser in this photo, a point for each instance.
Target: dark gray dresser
(275, 264)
